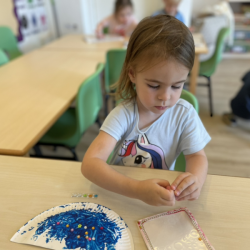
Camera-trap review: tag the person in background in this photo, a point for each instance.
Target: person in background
(122, 22)
(171, 8)
(152, 125)
(240, 105)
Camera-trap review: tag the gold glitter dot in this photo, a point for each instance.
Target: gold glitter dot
(200, 239)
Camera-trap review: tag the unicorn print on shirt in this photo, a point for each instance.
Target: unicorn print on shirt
(141, 153)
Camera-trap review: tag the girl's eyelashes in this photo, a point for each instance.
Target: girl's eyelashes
(156, 87)
(153, 87)
(176, 87)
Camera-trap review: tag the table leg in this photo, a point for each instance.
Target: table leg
(194, 75)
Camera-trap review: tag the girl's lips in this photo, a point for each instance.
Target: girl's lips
(161, 107)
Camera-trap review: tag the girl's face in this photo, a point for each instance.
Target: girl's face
(124, 15)
(171, 7)
(159, 87)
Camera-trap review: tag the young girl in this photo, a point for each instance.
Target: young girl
(153, 125)
(122, 22)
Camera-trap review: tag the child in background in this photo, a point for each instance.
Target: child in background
(152, 126)
(122, 22)
(171, 7)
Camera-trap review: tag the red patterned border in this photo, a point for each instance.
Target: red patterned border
(193, 220)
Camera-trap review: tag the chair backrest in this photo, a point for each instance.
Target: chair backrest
(189, 97)
(113, 67)
(3, 58)
(8, 42)
(208, 67)
(180, 164)
(89, 100)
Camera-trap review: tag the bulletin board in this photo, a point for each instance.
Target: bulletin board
(31, 16)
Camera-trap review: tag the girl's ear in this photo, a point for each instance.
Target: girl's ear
(131, 74)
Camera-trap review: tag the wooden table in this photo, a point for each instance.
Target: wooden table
(35, 90)
(76, 42)
(31, 186)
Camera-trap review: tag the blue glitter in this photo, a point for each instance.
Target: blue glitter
(108, 237)
(23, 232)
(31, 228)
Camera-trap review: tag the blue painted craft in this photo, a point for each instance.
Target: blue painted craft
(78, 226)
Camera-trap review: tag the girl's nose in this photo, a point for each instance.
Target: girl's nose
(164, 96)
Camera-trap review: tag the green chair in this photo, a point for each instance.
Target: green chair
(180, 164)
(69, 128)
(208, 68)
(113, 67)
(3, 58)
(8, 43)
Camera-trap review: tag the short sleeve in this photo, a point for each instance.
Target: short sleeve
(116, 123)
(180, 17)
(194, 136)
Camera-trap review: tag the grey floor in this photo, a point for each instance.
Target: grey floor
(228, 152)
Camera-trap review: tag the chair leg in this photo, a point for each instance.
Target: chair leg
(74, 154)
(210, 96)
(106, 105)
(98, 122)
(37, 150)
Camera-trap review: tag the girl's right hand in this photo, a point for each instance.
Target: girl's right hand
(154, 192)
(99, 34)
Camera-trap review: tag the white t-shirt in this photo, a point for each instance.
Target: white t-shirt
(179, 129)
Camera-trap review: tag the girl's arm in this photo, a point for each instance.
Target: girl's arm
(95, 168)
(188, 185)
(100, 26)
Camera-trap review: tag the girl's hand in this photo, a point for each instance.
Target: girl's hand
(99, 34)
(186, 187)
(154, 192)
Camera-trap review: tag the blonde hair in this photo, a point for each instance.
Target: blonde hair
(155, 39)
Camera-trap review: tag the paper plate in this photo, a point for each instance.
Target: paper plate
(80, 225)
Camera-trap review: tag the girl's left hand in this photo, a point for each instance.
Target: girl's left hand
(186, 187)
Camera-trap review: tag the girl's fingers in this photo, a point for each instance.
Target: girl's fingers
(193, 196)
(166, 194)
(178, 180)
(189, 190)
(163, 183)
(183, 185)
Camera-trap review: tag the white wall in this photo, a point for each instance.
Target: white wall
(69, 16)
(7, 17)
